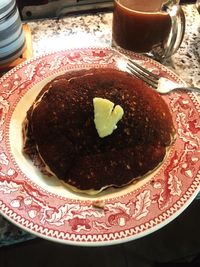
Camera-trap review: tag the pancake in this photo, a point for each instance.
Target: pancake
(60, 127)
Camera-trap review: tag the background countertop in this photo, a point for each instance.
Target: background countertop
(96, 30)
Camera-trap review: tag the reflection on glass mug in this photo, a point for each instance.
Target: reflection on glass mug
(198, 5)
(154, 27)
(12, 38)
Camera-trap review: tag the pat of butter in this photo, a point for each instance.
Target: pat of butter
(106, 116)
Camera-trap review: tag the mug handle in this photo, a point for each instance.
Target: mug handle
(177, 30)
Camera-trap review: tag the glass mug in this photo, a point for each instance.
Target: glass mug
(198, 5)
(152, 27)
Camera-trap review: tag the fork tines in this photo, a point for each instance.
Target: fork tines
(142, 73)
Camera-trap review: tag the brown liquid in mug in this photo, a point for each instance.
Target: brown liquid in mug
(139, 26)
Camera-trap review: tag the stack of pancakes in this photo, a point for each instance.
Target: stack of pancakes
(60, 125)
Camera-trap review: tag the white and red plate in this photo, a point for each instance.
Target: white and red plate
(42, 206)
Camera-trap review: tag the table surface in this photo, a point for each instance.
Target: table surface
(94, 30)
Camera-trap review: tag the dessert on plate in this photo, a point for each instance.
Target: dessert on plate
(98, 128)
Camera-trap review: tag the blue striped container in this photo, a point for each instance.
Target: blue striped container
(12, 38)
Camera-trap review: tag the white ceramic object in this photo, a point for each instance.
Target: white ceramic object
(12, 39)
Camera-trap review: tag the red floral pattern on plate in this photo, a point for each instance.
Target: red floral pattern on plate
(31, 202)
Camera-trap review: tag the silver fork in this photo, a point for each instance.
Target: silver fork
(160, 84)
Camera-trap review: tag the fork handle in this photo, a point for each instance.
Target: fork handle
(193, 89)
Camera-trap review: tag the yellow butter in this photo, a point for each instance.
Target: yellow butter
(106, 116)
